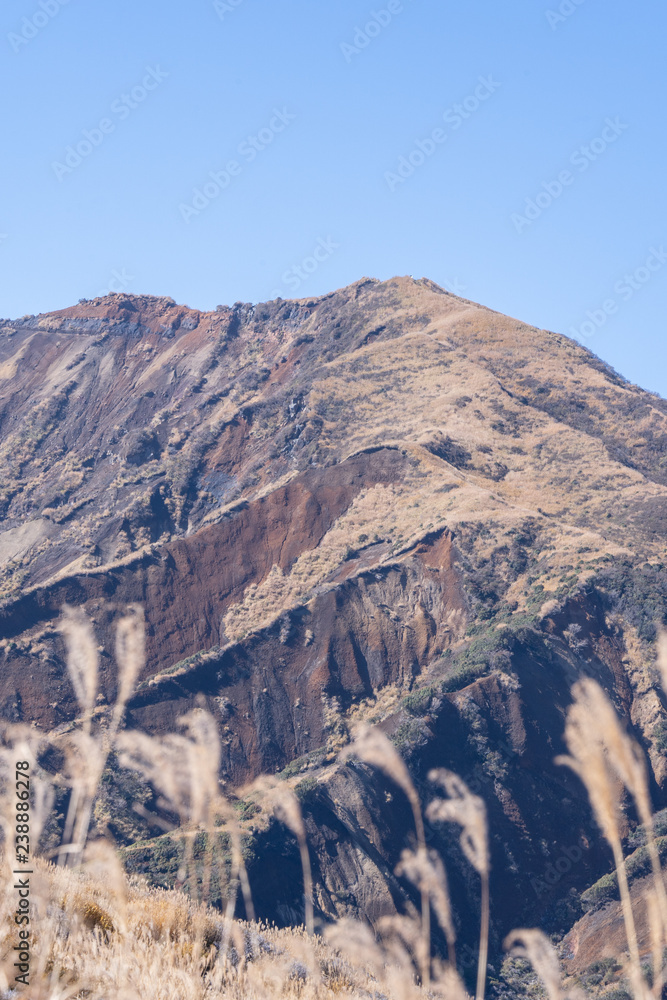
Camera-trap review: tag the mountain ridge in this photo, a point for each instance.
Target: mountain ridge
(385, 503)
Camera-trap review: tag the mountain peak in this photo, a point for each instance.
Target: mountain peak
(383, 502)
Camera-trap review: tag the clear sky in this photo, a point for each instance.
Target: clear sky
(514, 152)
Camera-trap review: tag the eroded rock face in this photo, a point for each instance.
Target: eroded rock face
(374, 624)
(278, 680)
(501, 734)
(384, 503)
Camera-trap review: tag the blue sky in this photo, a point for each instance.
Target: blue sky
(513, 152)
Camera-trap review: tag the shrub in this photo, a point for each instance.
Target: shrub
(417, 702)
(639, 594)
(305, 789)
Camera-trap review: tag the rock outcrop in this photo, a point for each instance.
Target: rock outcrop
(387, 503)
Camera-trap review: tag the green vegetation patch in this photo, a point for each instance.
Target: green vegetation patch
(639, 594)
(307, 762)
(306, 789)
(419, 701)
(162, 861)
(637, 865)
(492, 646)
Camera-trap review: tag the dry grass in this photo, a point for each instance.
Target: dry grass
(104, 937)
(404, 391)
(98, 934)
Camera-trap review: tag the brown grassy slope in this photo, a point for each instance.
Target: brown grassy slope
(128, 421)
(204, 465)
(97, 936)
(302, 496)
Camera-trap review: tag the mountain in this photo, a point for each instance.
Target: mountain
(385, 504)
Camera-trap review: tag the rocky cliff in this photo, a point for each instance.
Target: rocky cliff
(388, 504)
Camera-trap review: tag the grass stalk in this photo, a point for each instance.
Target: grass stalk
(483, 939)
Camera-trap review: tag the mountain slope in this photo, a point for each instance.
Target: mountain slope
(387, 503)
